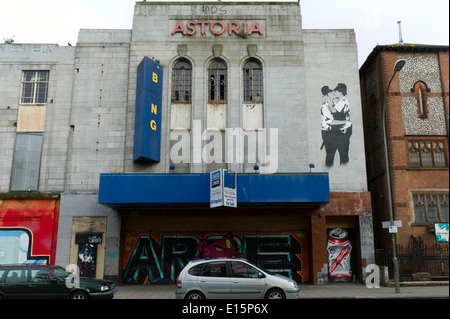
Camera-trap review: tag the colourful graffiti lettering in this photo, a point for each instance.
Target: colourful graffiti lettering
(159, 257)
(28, 230)
(220, 248)
(16, 246)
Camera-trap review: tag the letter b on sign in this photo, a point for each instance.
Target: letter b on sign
(373, 279)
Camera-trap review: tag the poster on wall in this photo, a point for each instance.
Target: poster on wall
(339, 250)
(87, 259)
(87, 253)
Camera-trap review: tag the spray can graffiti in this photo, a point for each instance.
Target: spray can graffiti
(339, 253)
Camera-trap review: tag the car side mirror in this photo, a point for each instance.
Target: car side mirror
(261, 275)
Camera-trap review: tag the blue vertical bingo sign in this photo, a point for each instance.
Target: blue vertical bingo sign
(147, 126)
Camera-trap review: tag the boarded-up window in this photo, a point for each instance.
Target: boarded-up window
(27, 162)
(31, 118)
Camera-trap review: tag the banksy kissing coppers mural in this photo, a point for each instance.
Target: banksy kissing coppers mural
(336, 125)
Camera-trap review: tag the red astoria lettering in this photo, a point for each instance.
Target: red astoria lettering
(233, 26)
(211, 27)
(217, 28)
(178, 28)
(191, 26)
(256, 28)
(203, 25)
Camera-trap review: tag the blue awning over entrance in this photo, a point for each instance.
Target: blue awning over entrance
(128, 190)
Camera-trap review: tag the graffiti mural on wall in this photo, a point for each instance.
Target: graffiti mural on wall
(28, 230)
(16, 247)
(159, 257)
(336, 125)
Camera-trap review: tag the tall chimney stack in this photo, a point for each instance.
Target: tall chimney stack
(400, 32)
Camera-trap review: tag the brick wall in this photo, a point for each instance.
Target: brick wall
(400, 101)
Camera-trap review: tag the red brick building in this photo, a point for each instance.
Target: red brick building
(417, 123)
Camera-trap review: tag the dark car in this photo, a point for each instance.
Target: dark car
(45, 281)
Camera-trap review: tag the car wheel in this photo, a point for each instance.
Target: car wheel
(275, 294)
(195, 295)
(79, 295)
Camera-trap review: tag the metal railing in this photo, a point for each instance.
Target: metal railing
(416, 257)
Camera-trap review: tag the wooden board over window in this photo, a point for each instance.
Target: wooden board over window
(31, 118)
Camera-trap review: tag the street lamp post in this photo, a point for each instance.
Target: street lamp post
(397, 67)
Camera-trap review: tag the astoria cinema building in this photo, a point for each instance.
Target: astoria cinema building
(207, 130)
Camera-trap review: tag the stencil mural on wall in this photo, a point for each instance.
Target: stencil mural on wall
(336, 125)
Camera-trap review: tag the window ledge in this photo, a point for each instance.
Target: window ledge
(427, 169)
(420, 224)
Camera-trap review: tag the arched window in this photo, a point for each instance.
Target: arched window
(182, 81)
(421, 90)
(253, 81)
(217, 82)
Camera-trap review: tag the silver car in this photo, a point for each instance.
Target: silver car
(229, 278)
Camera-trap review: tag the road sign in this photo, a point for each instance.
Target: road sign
(397, 223)
(393, 229)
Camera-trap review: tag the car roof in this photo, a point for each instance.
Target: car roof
(197, 261)
(26, 266)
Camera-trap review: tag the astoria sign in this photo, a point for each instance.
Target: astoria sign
(217, 28)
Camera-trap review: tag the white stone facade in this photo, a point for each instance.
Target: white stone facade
(89, 122)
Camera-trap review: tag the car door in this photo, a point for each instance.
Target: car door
(15, 283)
(214, 280)
(43, 284)
(246, 283)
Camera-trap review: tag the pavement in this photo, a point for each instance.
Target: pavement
(435, 290)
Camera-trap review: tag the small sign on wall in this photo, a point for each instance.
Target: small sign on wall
(220, 195)
(88, 238)
(441, 231)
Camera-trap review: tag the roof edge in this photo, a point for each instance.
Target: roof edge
(402, 47)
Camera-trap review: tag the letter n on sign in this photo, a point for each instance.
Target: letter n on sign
(147, 126)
